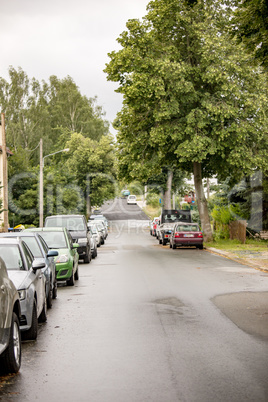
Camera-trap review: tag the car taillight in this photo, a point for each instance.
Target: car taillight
(176, 234)
(200, 234)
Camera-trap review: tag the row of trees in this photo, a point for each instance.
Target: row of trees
(58, 113)
(195, 97)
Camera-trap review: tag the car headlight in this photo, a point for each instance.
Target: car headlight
(62, 258)
(22, 294)
(83, 240)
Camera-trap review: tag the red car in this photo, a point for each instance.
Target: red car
(186, 234)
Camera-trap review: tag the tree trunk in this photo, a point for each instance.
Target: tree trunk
(167, 195)
(202, 202)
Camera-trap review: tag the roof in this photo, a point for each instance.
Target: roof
(46, 229)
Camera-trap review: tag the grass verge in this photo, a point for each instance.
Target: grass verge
(235, 245)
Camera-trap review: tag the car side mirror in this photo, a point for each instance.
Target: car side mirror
(52, 253)
(37, 265)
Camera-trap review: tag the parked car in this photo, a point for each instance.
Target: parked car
(10, 337)
(77, 225)
(93, 244)
(164, 232)
(131, 199)
(186, 234)
(103, 219)
(101, 230)
(41, 252)
(95, 233)
(29, 280)
(60, 239)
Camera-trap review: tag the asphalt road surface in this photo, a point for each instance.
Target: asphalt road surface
(148, 323)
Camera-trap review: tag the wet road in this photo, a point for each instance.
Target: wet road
(141, 325)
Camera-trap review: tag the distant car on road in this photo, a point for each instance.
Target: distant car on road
(29, 280)
(132, 199)
(125, 193)
(10, 338)
(186, 234)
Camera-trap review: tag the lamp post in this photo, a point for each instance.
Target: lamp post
(41, 181)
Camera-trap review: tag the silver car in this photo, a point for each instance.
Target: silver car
(28, 278)
(40, 251)
(10, 339)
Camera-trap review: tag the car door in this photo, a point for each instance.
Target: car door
(37, 278)
(73, 251)
(3, 302)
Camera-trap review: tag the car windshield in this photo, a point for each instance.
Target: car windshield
(70, 222)
(33, 246)
(185, 228)
(54, 239)
(11, 255)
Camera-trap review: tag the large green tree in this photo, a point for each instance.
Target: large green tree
(250, 25)
(190, 97)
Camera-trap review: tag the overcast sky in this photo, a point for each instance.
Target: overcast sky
(67, 37)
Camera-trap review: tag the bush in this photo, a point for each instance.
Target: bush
(152, 200)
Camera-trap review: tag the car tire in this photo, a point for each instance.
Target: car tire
(87, 258)
(174, 246)
(31, 333)
(76, 275)
(170, 245)
(164, 242)
(10, 360)
(200, 247)
(43, 315)
(95, 253)
(160, 240)
(70, 282)
(50, 296)
(55, 290)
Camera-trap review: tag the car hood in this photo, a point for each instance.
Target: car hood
(61, 251)
(77, 234)
(21, 279)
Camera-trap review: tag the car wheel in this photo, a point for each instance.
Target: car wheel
(43, 315)
(11, 357)
(102, 240)
(200, 247)
(87, 258)
(95, 253)
(70, 282)
(55, 290)
(174, 246)
(164, 242)
(160, 240)
(50, 296)
(76, 275)
(170, 245)
(31, 334)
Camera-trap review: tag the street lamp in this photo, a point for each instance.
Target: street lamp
(41, 181)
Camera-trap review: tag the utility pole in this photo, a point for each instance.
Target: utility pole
(41, 186)
(5, 180)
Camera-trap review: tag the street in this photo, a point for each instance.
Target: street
(148, 323)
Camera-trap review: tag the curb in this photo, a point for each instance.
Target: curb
(234, 257)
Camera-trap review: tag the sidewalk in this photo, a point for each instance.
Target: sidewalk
(254, 259)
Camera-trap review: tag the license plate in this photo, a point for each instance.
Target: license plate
(188, 235)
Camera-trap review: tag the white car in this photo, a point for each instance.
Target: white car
(131, 199)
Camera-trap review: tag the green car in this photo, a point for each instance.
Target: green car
(58, 238)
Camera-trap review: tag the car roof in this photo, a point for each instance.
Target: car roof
(11, 240)
(46, 229)
(18, 234)
(64, 216)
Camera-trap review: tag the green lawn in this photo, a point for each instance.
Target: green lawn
(235, 245)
